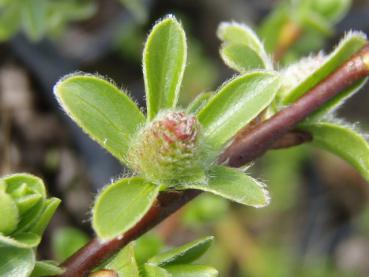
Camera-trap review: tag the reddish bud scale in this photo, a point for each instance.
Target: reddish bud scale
(167, 150)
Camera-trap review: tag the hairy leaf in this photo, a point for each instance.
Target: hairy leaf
(164, 61)
(241, 49)
(121, 205)
(241, 58)
(184, 254)
(107, 114)
(236, 186)
(341, 141)
(237, 103)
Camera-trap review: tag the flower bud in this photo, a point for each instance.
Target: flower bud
(167, 150)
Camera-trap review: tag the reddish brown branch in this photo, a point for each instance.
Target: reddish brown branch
(264, 135)
(245, 148)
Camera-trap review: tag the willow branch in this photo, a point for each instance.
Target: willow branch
(246, 147)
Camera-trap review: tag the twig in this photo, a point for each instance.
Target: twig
(245, 148)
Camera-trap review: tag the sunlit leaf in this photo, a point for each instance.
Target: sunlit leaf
(164, 61)
(186, 253)
(121, 205)
(237, 103)
(236, 186)
(107, 114)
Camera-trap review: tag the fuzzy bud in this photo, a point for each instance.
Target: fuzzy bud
(294, 74)
(167, 150)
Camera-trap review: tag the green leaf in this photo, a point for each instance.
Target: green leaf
(121, 205)
(107, 114)
(34, 15)
(24, 180)
(124, 262)
(341, 141)
(346, 48)
(26, 202)
(235, 185)
(16, 262)
(30, 217)
(200, 101)
(237, 103)
(241, 49)
(66, 241)
(21, 240)
(46, 268)
(241, 57)
(164, 60)
(9, 213)
(50, 206)
(232, 32)
(155, 271)
(186, 253)
(191, 270)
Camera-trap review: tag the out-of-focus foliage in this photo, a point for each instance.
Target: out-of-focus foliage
(66, 241)
(301, 26)
(36, 18)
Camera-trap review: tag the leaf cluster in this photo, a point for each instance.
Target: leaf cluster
(25, 212)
